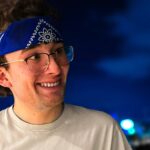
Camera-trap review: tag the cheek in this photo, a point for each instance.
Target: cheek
(21, 77)
(65, 71)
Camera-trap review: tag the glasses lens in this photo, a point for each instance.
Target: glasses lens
(64, 55)
(69, 53)
(40, 61)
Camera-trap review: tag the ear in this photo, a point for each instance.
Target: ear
(3, 78)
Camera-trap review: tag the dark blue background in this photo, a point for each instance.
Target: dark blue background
(111, 70)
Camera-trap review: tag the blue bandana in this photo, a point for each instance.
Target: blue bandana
(28, 32)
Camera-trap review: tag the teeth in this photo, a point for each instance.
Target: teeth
(49, 84)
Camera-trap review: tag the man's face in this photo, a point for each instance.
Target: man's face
(44, 89)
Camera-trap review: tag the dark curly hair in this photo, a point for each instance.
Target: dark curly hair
(14, 10)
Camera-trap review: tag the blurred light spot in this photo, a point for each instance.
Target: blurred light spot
(131, 131)
(127, 124)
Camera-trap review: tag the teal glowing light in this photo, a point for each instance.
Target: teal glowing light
(131, 131)
(127, 124)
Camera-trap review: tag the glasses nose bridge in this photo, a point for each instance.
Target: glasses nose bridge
(49, 56)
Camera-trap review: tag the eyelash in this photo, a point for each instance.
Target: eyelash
(33, 54)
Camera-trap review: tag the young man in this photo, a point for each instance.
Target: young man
(34, 63)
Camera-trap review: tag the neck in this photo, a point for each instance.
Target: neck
(38, 117)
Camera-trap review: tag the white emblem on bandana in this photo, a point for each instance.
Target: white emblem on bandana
(47, 35)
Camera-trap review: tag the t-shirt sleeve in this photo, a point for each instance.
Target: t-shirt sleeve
(119, 141)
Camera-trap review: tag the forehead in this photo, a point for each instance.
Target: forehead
(40, 48)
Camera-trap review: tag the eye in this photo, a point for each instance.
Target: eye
(35, 57)
(60, 50)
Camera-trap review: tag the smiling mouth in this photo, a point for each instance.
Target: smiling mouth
(49, 85)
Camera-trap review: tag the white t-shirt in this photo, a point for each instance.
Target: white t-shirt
(77, 128)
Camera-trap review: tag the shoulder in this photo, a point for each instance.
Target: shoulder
(98, 126)
(90, 116)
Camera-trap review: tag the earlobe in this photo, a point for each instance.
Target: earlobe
(3, 79)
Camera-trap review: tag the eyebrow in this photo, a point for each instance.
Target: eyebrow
(34, 47)
(30, 48)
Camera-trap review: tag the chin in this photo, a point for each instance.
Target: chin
(52, 101)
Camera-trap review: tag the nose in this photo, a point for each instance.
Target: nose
(53, 67)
